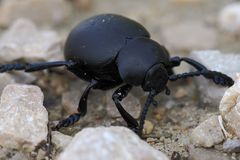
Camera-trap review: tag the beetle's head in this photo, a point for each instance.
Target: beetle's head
(156, 78)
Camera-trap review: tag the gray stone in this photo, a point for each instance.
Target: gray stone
(190, 36)
(42, 12)
(24, 117)
(24, 40)
(113, 143)
(208, 133)
(131, 104)
(217, 61)
(206, 154)
(231, 145)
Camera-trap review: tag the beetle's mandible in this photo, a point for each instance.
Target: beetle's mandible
(108, 50)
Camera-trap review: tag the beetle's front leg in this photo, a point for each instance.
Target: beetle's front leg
(217, 77)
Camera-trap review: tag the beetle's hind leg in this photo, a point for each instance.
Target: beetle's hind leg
(118, 96)
(82, 108)
(217, 77)
(31, 67)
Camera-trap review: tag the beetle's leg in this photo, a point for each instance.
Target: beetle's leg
(117, 96)
(217, 77)
(82, 108)
(30, 67)
(145, 110)
(176, 61)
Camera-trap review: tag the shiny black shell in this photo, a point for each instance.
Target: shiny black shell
(95, 43)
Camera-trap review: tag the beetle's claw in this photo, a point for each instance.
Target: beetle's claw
(219, 78)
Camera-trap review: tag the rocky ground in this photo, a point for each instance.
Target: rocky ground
(188, 124)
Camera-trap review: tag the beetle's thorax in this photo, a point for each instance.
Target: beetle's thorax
(137, 59)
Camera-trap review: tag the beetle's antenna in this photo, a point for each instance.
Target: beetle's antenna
(145, 110)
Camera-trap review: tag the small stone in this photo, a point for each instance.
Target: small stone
(231, 146)
(206, 154)
(111, 143)
(208, 133)
(196, 36)
(53, 12)
(5, 79)
(60, 140)
(147, 127)
(159, 113)
(216, 61)
(229, 18)
(24, 116)
(24, 41)
(180, 93)
(230, 108)
(131, 104)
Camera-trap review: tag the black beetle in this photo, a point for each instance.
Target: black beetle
(108, 50)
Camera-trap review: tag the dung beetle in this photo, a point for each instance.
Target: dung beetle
(108, 50)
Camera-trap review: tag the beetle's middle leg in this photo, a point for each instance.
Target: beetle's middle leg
(117, 96)
(82, 108)
(217, 77)
(30, 67)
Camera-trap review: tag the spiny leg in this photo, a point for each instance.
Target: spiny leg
(217, 77)
(82, 108)
(30, 67)
(117, 96)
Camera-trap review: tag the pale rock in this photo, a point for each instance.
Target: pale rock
(130, 103)
(113, 143)
(5, 79)
(190, 36)
(60, 140)
(230, 108)
(215, 60)
(229, 18)
(25, 40)
(41, 12)
(24, 116)
(208, 133)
